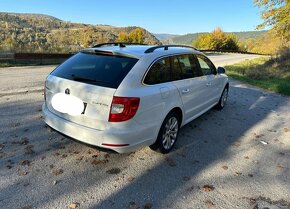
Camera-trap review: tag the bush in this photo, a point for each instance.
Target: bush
(284, 55)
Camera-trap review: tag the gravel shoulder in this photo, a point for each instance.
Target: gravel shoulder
(234, 158)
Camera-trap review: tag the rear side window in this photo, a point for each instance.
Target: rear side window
(176, 69)
(96, 69)
(159, 72)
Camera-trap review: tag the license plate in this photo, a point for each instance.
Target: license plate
(69, 104)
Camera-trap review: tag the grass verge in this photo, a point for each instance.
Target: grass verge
(270, 74)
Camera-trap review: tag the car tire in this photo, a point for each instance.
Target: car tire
(168, 134)
(223, 99)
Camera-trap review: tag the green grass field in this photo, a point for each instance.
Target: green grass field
(270, 74)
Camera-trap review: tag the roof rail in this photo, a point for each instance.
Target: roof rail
(120, 44)
(152, 49)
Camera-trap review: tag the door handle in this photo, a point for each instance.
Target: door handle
(208, 84)
(184, 91)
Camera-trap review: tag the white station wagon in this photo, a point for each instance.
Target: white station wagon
(121, 96)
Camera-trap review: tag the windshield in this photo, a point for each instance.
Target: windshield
(96, 69)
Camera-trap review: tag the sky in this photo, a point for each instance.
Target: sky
(157, 16)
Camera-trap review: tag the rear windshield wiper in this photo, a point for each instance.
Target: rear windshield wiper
(85, 79)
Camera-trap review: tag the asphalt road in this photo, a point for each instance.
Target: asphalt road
(31, 78)
(234, 158)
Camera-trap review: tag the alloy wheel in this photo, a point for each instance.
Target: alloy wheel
(170, 133)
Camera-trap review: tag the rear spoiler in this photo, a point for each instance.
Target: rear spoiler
(107, 53)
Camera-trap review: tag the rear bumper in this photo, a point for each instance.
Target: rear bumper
(135, 137)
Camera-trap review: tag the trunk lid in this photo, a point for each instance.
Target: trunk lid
(89, 79)
(97, 101)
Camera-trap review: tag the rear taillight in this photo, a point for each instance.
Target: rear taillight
(123, 108)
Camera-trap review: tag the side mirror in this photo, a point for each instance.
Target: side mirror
(221, 70)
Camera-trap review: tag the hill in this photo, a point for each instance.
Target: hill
(31, 15)
(189, 38)
(164, 36)
(250, 34)
(44, 33)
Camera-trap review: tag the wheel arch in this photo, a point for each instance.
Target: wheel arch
(179, 112)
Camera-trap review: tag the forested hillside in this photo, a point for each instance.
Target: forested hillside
(188, 39)
(43, 33)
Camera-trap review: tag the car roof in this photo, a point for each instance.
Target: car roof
(138, 51)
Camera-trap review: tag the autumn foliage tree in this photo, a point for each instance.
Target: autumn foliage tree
(217, 40)
(268, 43)
(275, 14)
(123, 37)
(135, 36)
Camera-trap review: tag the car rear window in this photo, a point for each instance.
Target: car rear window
(96, 69)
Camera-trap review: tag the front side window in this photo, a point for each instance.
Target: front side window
(159, 72)
(189, 66)
(206, 66)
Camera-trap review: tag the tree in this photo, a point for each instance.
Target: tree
(217, 40)
(123, 37)
(10, 43)
(204, 42)
(137, 36)
(268, 43)
(275, 14)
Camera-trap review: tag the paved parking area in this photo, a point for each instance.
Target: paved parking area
(234, 158)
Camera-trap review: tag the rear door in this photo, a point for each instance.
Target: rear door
(92, 78)
(190, 83)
